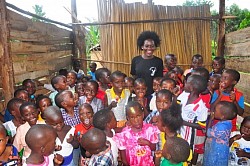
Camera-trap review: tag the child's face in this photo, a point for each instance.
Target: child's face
(69, 99)
(245, 130)
(71, 79)
(167, 85)
(140, 90)
(135, 118)
(226, 81)
(23, 95)
(214, 83)
(118, 83)
(80, 89)
(105, 78)
(30, 87)
(3, 141)
(90, 91)
(61, 84)
(44, 103)
(156, 85)
(162, 102)
(170, 61)
(174, 76)
(113, 122)
(129, 85)
(92, 67)
(86, 115)
(197, 62)
(217, 66)
(30, 115)
(56, 122)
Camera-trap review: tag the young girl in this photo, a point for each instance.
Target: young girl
(217, 143)
(42, 102)
(8, 152)
(64, 132)
(240, 144)
(90, 91)
(137, 141)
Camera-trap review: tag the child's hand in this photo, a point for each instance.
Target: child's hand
(158, 153)
(154, 119)
(237, 137)
(58, 147)
(58, 159)
(241, 152)
(143, 142)
(232, 96)
(70, 139)
(176, 91)
(113, 104)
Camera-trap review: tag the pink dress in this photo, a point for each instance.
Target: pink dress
(136, 154)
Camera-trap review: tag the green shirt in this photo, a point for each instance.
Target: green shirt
(166, 162)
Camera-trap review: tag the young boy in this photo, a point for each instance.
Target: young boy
(95, 142)
(59, 84)
(30, 86)
(170, 61)
(71, 81)
(41, 139)
(156, 88)
(76, 68)
(218, 65)
(194, 110)
(214, 83)
(117, 97)
(105, 120)
(228, 92)
(175, 152)
(67, 104)
(92, 68)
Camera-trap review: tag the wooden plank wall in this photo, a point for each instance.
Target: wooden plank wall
(38, 49)
(182, 38)
(237, 54)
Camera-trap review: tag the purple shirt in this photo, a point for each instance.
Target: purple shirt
(71, 121)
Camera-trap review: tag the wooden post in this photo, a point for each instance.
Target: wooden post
(79, 37)
(6, 69)
(221, 33)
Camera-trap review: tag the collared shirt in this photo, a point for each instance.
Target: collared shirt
(104, 158)
(69, 120)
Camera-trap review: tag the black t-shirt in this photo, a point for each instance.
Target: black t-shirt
(147, 69)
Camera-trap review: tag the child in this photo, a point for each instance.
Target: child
(197, 61)
(214, 83)
(77, 70)
(102, 77)
(94, 141)
(140, 89)
(59, 84)
(67, 104)
(30, 86)
(137, 141)
(239, 144)
(117, 97)
(42, 102)
(164, 99)
(71, 81)
(86, 117)
(170, 61)
(92, 68)
(217, 143)
(129, 84)
(218, 65)
(41, 139)
(8, 152)
(13, 106)
(228, 92)
(105, 120)
(80, 89)
(65, 134)
(90, 91)
(170, 84)
(156, 88)
(29, 113)
(175, 152)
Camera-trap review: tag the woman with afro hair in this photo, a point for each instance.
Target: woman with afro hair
(146, 65)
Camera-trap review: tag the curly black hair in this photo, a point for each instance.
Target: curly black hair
(148, 35)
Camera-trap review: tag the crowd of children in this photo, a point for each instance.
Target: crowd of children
(108, 119)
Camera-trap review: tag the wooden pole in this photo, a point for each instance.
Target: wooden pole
(79, 37)
(221, 33)
(5, 57)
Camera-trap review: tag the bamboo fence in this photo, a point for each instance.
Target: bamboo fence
(183, 38)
